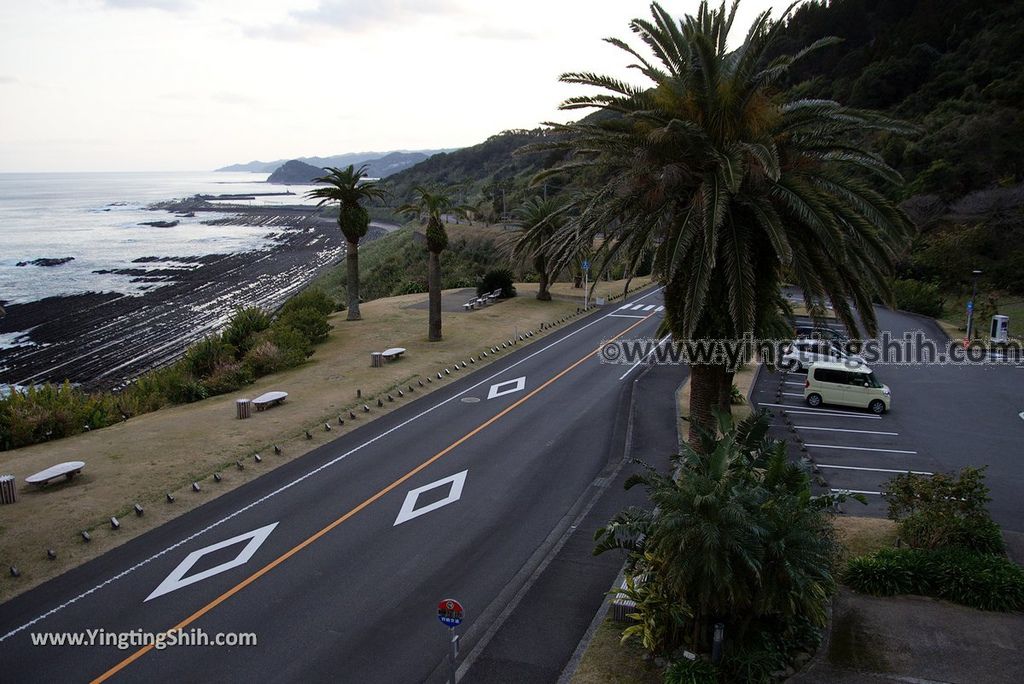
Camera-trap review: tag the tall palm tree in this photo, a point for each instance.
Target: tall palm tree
(709, 166)
(433, 205)
(349, 187)
(538, 220)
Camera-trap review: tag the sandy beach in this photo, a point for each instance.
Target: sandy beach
(104, 339)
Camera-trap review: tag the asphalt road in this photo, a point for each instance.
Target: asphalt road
(943, 417)
(337, 560)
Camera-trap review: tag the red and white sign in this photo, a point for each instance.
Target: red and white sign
(449, 612)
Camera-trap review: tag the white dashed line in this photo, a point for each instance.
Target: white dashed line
(874, 470)
(833, 429)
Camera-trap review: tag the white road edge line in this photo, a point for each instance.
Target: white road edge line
(834, 429)
(300, 479)
(875, 470)
(633, 367)
(857, 448)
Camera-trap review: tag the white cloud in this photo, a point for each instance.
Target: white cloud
(165, 5)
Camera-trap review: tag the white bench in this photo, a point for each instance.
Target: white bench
(68, 470)
(393, 353)
(265, 401)
(493, 295)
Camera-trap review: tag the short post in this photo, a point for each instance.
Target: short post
(8, 489)
(453, 651)
(716, 643)
(243, 408)
(376, 359)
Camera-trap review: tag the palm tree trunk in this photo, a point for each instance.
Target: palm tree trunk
(434, 289)
(542, 291)
(705, 380)
(725, 393)
(352, 285)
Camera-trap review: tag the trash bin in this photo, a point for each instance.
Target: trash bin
(243, 407)
(8, 491)
(1000, 331)
(376, 359)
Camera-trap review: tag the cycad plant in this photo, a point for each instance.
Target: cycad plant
(708, 165)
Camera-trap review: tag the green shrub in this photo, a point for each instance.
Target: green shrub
(880, 574)
(686, 671)
(265, 358)
(918, 297)
(497, 279)
(975, 579)
(310, 323)
(929, 530)
(227, 377)
(293, 345)
(314, 299)
(243, 328)
(205, 355)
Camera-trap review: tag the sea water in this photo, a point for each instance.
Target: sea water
(96, 217)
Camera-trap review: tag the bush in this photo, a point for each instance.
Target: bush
(935, 511)
(497, 279)
(918, 297)
(314, 299)
(310, 323)
(686, 671)
(243, 328)
(227, 377)
(971, 578)
(265, 358)
(204, 356)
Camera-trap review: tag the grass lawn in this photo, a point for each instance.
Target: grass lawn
(608, 661)
(860, 536)
(165, 451)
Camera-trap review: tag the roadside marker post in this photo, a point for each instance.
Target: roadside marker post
(450, 613)
(586, 283)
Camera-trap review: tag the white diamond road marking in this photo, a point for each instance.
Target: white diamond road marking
(176, 580)
(409, 510)
(508, 387)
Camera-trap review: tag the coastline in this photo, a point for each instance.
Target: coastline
(102, 340)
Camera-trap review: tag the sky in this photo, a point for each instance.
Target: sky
(189, 85)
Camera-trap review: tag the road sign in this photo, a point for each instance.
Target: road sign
(586, 265)
(970, 305)
(449, 612)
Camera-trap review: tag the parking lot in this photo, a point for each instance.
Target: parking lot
(942, 419)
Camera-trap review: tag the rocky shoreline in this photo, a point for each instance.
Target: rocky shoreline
(102, 340)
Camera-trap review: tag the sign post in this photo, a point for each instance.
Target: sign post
(586, 283)
(450, 613)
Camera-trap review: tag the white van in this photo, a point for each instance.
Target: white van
(847, 385)
(801, 353)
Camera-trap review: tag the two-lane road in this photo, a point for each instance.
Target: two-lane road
(336, 560)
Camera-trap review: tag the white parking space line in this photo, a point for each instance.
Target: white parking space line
(823, 412)
(855, 491)
(798, 384)
(835, 429)
(832, 415)
(857, 448)
(874, 470)
(793, 394)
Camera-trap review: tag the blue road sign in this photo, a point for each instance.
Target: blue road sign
(586, 265)
(970, 305)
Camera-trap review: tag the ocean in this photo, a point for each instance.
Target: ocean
(95, 217)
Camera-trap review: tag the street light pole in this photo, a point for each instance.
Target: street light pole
(970, 306)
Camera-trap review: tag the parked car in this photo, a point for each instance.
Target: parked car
(829, 382)
(804, 352)
(829, 335)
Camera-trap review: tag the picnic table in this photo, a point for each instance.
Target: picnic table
(268, 399)
(68, 470)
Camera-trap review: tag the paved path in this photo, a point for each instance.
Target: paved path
(336, 561)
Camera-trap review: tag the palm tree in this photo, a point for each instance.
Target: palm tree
(433, 205)
(538, 220)
(349, 188)
(729, 185)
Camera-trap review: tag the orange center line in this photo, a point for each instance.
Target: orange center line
(317, 535)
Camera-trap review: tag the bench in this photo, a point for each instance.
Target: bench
(493, 295)
(470, 305)
(393, 353)
(68, 470)
(265, 401)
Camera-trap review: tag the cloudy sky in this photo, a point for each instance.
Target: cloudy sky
(152, 85)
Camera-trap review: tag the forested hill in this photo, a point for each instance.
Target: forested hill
(954, 67)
